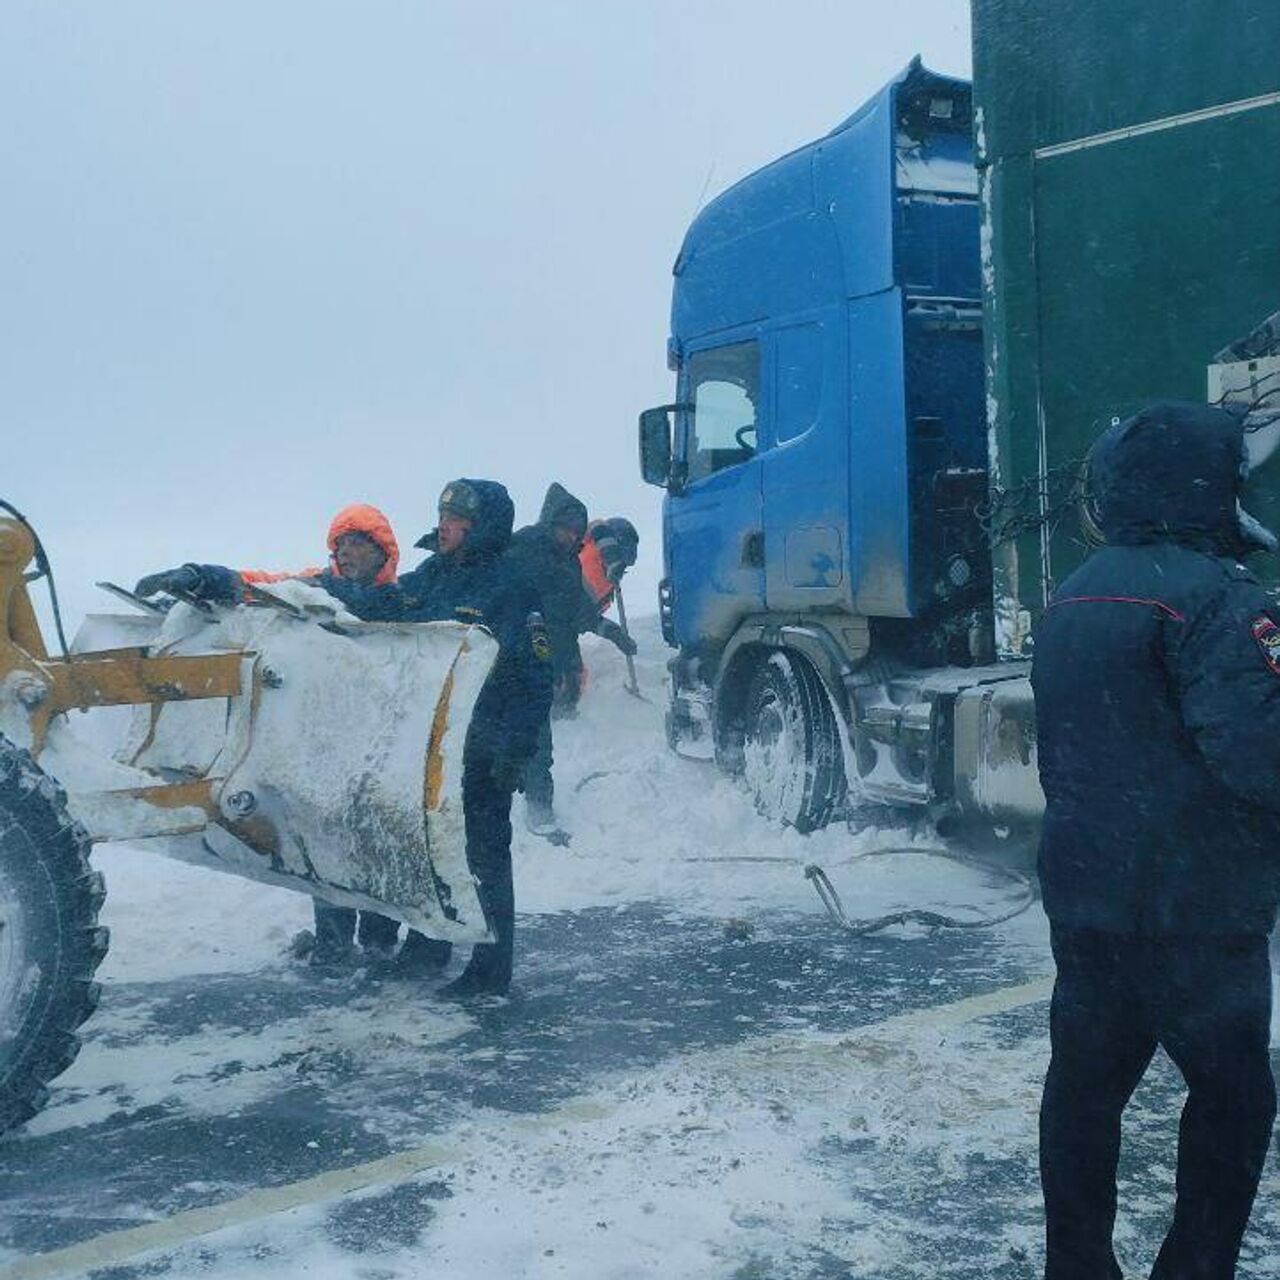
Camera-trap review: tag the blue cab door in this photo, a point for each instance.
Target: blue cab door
(715, 533)
(806, 476)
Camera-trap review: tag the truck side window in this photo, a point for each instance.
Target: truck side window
(724, 388)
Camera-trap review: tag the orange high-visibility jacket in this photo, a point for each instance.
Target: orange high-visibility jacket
(593, 574)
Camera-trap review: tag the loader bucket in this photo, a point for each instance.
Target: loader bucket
(336, 769)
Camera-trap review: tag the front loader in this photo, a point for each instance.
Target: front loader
(281, 740)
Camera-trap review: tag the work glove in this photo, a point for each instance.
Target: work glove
(212, 582)
(184, 580)
(615, 635)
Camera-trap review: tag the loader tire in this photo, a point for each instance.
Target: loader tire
(50, 942)
(793, 761)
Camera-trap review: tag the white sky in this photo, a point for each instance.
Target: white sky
(261, 259)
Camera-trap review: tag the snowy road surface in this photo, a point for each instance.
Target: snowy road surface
(696, 1074)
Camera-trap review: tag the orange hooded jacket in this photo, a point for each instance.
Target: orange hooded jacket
(593, 574)
(359, 517)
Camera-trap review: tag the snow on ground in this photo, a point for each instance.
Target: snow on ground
(171, 920)
(698, 1074)
(702, 1168)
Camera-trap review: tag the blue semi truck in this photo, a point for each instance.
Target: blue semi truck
(827, 579)
(870, 458)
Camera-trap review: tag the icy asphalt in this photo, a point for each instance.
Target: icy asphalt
(696, 1075)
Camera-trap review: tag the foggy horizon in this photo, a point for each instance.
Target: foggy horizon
(263, 262)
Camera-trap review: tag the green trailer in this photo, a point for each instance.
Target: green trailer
(1129, 160)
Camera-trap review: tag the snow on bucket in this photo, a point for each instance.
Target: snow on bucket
(337, 771)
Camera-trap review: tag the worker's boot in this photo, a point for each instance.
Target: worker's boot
(488, 972)
(420, 957)
(334, 929)
(377, 935)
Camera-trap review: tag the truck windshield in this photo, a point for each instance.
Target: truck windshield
(724, 387)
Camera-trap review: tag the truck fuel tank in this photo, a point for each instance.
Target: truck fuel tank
(994, 748)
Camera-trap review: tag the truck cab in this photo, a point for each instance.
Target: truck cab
(827, 580)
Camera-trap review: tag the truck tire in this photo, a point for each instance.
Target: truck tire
(792, 759)
(50, 942)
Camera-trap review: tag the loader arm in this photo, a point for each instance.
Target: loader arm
(47, 687)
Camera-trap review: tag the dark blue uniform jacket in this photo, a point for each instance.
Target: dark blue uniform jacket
(477, 585)
(1157, 683)
(556, 575)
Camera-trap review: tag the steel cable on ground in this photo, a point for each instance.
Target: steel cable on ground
(830, 898)
(918, 915)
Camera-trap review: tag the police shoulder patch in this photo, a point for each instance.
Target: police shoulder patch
(538, 637)
(1267, 635)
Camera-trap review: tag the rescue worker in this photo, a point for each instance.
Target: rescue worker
(608, 551)
(545, 555)
(362, 550)
(468, 579)
(1157, 685)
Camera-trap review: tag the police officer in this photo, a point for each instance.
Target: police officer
(545, 555)
(467, 579)
(1157, 683)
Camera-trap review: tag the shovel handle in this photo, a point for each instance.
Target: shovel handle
(632, 683)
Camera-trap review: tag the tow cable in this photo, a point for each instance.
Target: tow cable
(911, 915)
(916, 915)
(830, 899)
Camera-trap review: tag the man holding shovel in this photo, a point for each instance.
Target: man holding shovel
(608, 551)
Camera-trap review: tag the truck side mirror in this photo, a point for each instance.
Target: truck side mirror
(655, 445)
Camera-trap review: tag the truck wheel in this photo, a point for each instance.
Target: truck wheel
(792, 760)
(50, 942)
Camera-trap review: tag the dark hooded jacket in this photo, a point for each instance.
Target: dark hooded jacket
(1157, 683)
(475, 584)
(556, 576)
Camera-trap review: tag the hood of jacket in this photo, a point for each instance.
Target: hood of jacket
(561, 507)
(490, 531)
(359, 517)
(618, 537)
(1173, 473)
